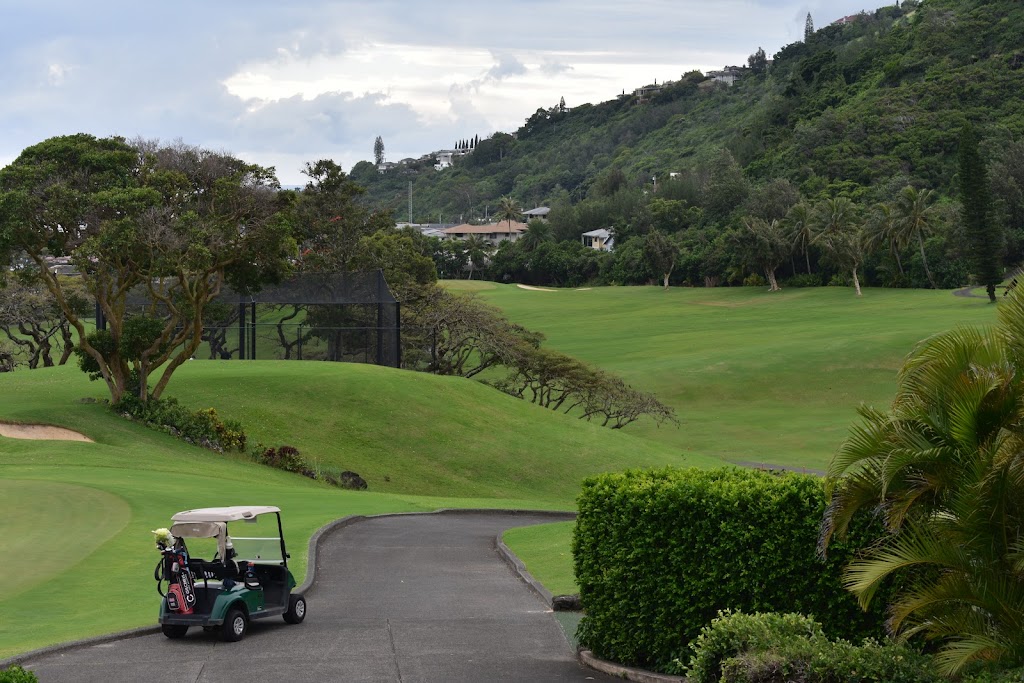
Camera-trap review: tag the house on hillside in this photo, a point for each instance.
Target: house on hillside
(539, 212)
(645, 93)
(444, 159)
(492, 233)
(600, 239)
(728, 75)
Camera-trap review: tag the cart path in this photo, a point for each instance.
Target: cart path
(406, 598)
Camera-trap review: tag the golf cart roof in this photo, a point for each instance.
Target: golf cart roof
(224, 514)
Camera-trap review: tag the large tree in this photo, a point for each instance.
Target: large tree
(984, 237)
(378, 150)
(841, 235)
(662, 253)
(764, 245)
(914, 220)
(944, 469)
(509, 211)
(174, 223)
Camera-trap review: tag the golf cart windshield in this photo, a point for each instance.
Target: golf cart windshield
(257, 549)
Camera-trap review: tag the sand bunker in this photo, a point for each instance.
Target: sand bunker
(42, 432)
(536, 289)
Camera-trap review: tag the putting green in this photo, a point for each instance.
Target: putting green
(35, 512)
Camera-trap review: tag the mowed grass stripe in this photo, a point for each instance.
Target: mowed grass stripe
(755, 376)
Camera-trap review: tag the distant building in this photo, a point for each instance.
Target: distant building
(492, 233)
(444, 159)
(728, 75)
(850, 19)
(645, 93)
(600, 239)
(539, 212)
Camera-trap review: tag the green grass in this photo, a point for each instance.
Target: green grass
(75, 518)
(754, 376)
(544, 549)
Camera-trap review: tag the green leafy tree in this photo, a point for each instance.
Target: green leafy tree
(662, 252)
(378, 150)
(476, 253)
(175, 222)
(983, 235)
(840, 234)
(915, 219)
(881, 230)
(764, 245)
(808, 28)
(758, 62)
(944, 470)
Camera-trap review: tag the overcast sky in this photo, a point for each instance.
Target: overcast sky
(282, 83)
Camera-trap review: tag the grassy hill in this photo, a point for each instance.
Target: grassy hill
(754, 376)
(75, 517)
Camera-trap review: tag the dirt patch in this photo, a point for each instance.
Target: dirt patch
(536, 289)
(40, 432)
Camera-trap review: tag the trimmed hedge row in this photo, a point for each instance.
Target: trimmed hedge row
(659, 553)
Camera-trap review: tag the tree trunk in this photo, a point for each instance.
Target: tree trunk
(991, 289)
(899, 261)
(920, 241)
(807, 257)
(770, 273)
(856, 282)
(665, 280)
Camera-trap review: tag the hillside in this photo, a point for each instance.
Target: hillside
(860, 109)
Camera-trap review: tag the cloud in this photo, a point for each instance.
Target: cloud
(284, 85)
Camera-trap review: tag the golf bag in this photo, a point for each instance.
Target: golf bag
(181, 589)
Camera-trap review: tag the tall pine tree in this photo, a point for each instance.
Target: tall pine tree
(808, 28)
(984, 238)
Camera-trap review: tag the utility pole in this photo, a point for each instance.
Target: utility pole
(410, 201)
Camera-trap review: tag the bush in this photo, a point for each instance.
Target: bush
(804, 280)
(16, 674)
(766, 648)
(201, 428)
(755, 280)
(289, 459)
(658, 553)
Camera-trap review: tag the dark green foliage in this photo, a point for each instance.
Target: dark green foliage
(658, 553)
(771, 647)
(285, 458)
(16, 674)
(983, 235)
(201, 427)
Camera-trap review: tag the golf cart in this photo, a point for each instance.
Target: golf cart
(247, 577)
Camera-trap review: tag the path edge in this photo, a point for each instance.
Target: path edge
(311, 567)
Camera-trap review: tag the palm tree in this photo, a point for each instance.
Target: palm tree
(945, 470)
(841, 235)
(508, 211)
(476, 253)
(537, 232)
(915, 217)
(881, 230)
(800, 225)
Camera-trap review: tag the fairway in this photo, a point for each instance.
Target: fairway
(755, 377)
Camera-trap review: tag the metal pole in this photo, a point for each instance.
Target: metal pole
(398, 335)
(252, 337)
(241, 330)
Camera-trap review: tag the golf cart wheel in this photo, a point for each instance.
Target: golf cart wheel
(174, 630)
(296, 609)
(235, 625)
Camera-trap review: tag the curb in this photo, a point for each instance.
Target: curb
(311, 565)
(513, 561)
(628, 673)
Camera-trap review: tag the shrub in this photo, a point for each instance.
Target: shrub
(16, 674)
(202, 427)
(804, 280)
(285, 458)
(765, 648)
(754, 280)
(658, 553)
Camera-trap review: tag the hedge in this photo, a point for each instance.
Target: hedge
(659, 553)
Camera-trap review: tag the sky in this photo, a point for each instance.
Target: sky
(285, 83)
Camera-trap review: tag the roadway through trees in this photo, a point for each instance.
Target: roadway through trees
(404, 598)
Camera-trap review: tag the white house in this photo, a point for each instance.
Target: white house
(539, 212)
(444, 159)
(492, 233)
(600, 239)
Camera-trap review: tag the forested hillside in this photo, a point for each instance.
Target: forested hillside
(857, 111)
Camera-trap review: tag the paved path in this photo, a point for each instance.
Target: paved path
(408, 598)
